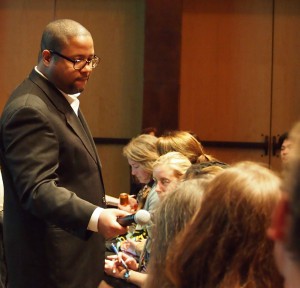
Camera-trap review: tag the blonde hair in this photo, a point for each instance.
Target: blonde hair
(142, 149)
(175, 161)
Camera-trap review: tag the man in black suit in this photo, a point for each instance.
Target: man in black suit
(54, 194)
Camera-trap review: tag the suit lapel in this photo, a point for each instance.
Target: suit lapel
(91, 141)
(79, 126)
(89, 134)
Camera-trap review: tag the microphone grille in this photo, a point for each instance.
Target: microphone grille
(142, 217)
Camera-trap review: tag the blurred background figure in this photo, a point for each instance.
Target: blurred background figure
(226, 243)
(285, 228)
(284, 144)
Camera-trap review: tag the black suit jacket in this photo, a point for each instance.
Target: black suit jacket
(53, 183)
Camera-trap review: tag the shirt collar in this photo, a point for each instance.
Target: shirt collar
(71, 98)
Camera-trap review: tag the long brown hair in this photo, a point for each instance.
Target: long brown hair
(226, 244)
(183, 142)
(171, 217)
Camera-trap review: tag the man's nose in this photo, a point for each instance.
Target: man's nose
(87, 67)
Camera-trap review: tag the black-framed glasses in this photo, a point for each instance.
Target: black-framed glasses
(79, 64)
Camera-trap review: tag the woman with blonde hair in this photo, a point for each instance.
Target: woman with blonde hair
(183, 142)
(141, 153)
(168, 172)
(142, 149)
(226, 244)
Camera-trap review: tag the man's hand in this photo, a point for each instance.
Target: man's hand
(108, 225)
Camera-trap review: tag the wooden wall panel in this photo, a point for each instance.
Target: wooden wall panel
(226, 65)
(22, 22)
(116, 173)
(162, 64)
(233, 155)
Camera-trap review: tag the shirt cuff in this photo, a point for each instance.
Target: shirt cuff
(93, 224)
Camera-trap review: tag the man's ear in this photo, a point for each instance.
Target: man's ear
(279, 223)
(46, 56)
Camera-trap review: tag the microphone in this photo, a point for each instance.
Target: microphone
(141, 217)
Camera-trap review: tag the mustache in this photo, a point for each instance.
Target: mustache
(84, 78)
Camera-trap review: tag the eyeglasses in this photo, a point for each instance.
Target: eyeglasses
(79, 64)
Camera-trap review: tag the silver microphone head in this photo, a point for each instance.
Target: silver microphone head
(142, 217)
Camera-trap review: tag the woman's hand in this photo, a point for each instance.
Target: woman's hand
(112, 268)
(132, 247)
(129, 261)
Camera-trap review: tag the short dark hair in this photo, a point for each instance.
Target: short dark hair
(57, 33)
(281, 139)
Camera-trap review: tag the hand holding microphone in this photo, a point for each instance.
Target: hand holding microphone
(141, 217)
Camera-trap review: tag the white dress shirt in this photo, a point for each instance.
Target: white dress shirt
(74, 102)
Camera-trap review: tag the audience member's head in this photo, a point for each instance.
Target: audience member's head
(285, 228)
(284, 144)
(200, 169)
(141, 153)
(171, 217)
(168, 170)
(226, 244)
(183, 142)
(150, 131)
